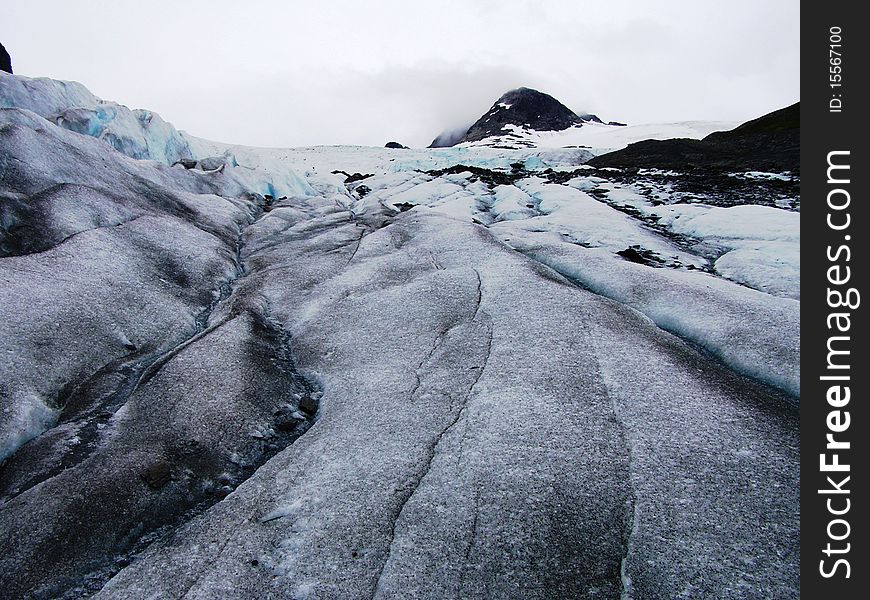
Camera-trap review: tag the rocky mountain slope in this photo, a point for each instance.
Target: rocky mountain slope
(768, 143)
(340, 372)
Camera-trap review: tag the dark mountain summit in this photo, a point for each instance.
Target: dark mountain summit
(523, 107)
(5, 60)
(768, 143)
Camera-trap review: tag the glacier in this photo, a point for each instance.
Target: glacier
(353, 372)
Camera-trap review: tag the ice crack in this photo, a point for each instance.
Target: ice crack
(433, 450)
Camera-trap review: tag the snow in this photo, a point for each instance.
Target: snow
(139, 134)
(320, 160)
(512, 203)
(763, 175)
(722, 317)
(576, 217)
(758, 246)
(761, 243)
(737, 222)
(42, 95)
(601, 138)
(136, 133)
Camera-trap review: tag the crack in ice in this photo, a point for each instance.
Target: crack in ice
(433, 449)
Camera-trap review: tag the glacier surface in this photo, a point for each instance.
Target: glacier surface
(347, 372)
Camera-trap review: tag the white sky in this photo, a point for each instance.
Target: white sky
(290, 73)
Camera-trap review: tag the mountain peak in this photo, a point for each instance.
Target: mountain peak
(522, 107)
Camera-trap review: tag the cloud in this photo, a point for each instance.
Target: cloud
(291, 73)
(342, 106)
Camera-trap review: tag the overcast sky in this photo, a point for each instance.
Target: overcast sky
(290, 73)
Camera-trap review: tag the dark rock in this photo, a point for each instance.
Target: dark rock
(187, 163)
(287, 425)
(616, 123)
(769, 143)
(157, 475)
(488, 176)
(403, 206)
(362, 190)
(395, 145)
(357, 177)
(217, 163)
(308, 404)
(641, 256)
(5, 60)
(288, 419)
